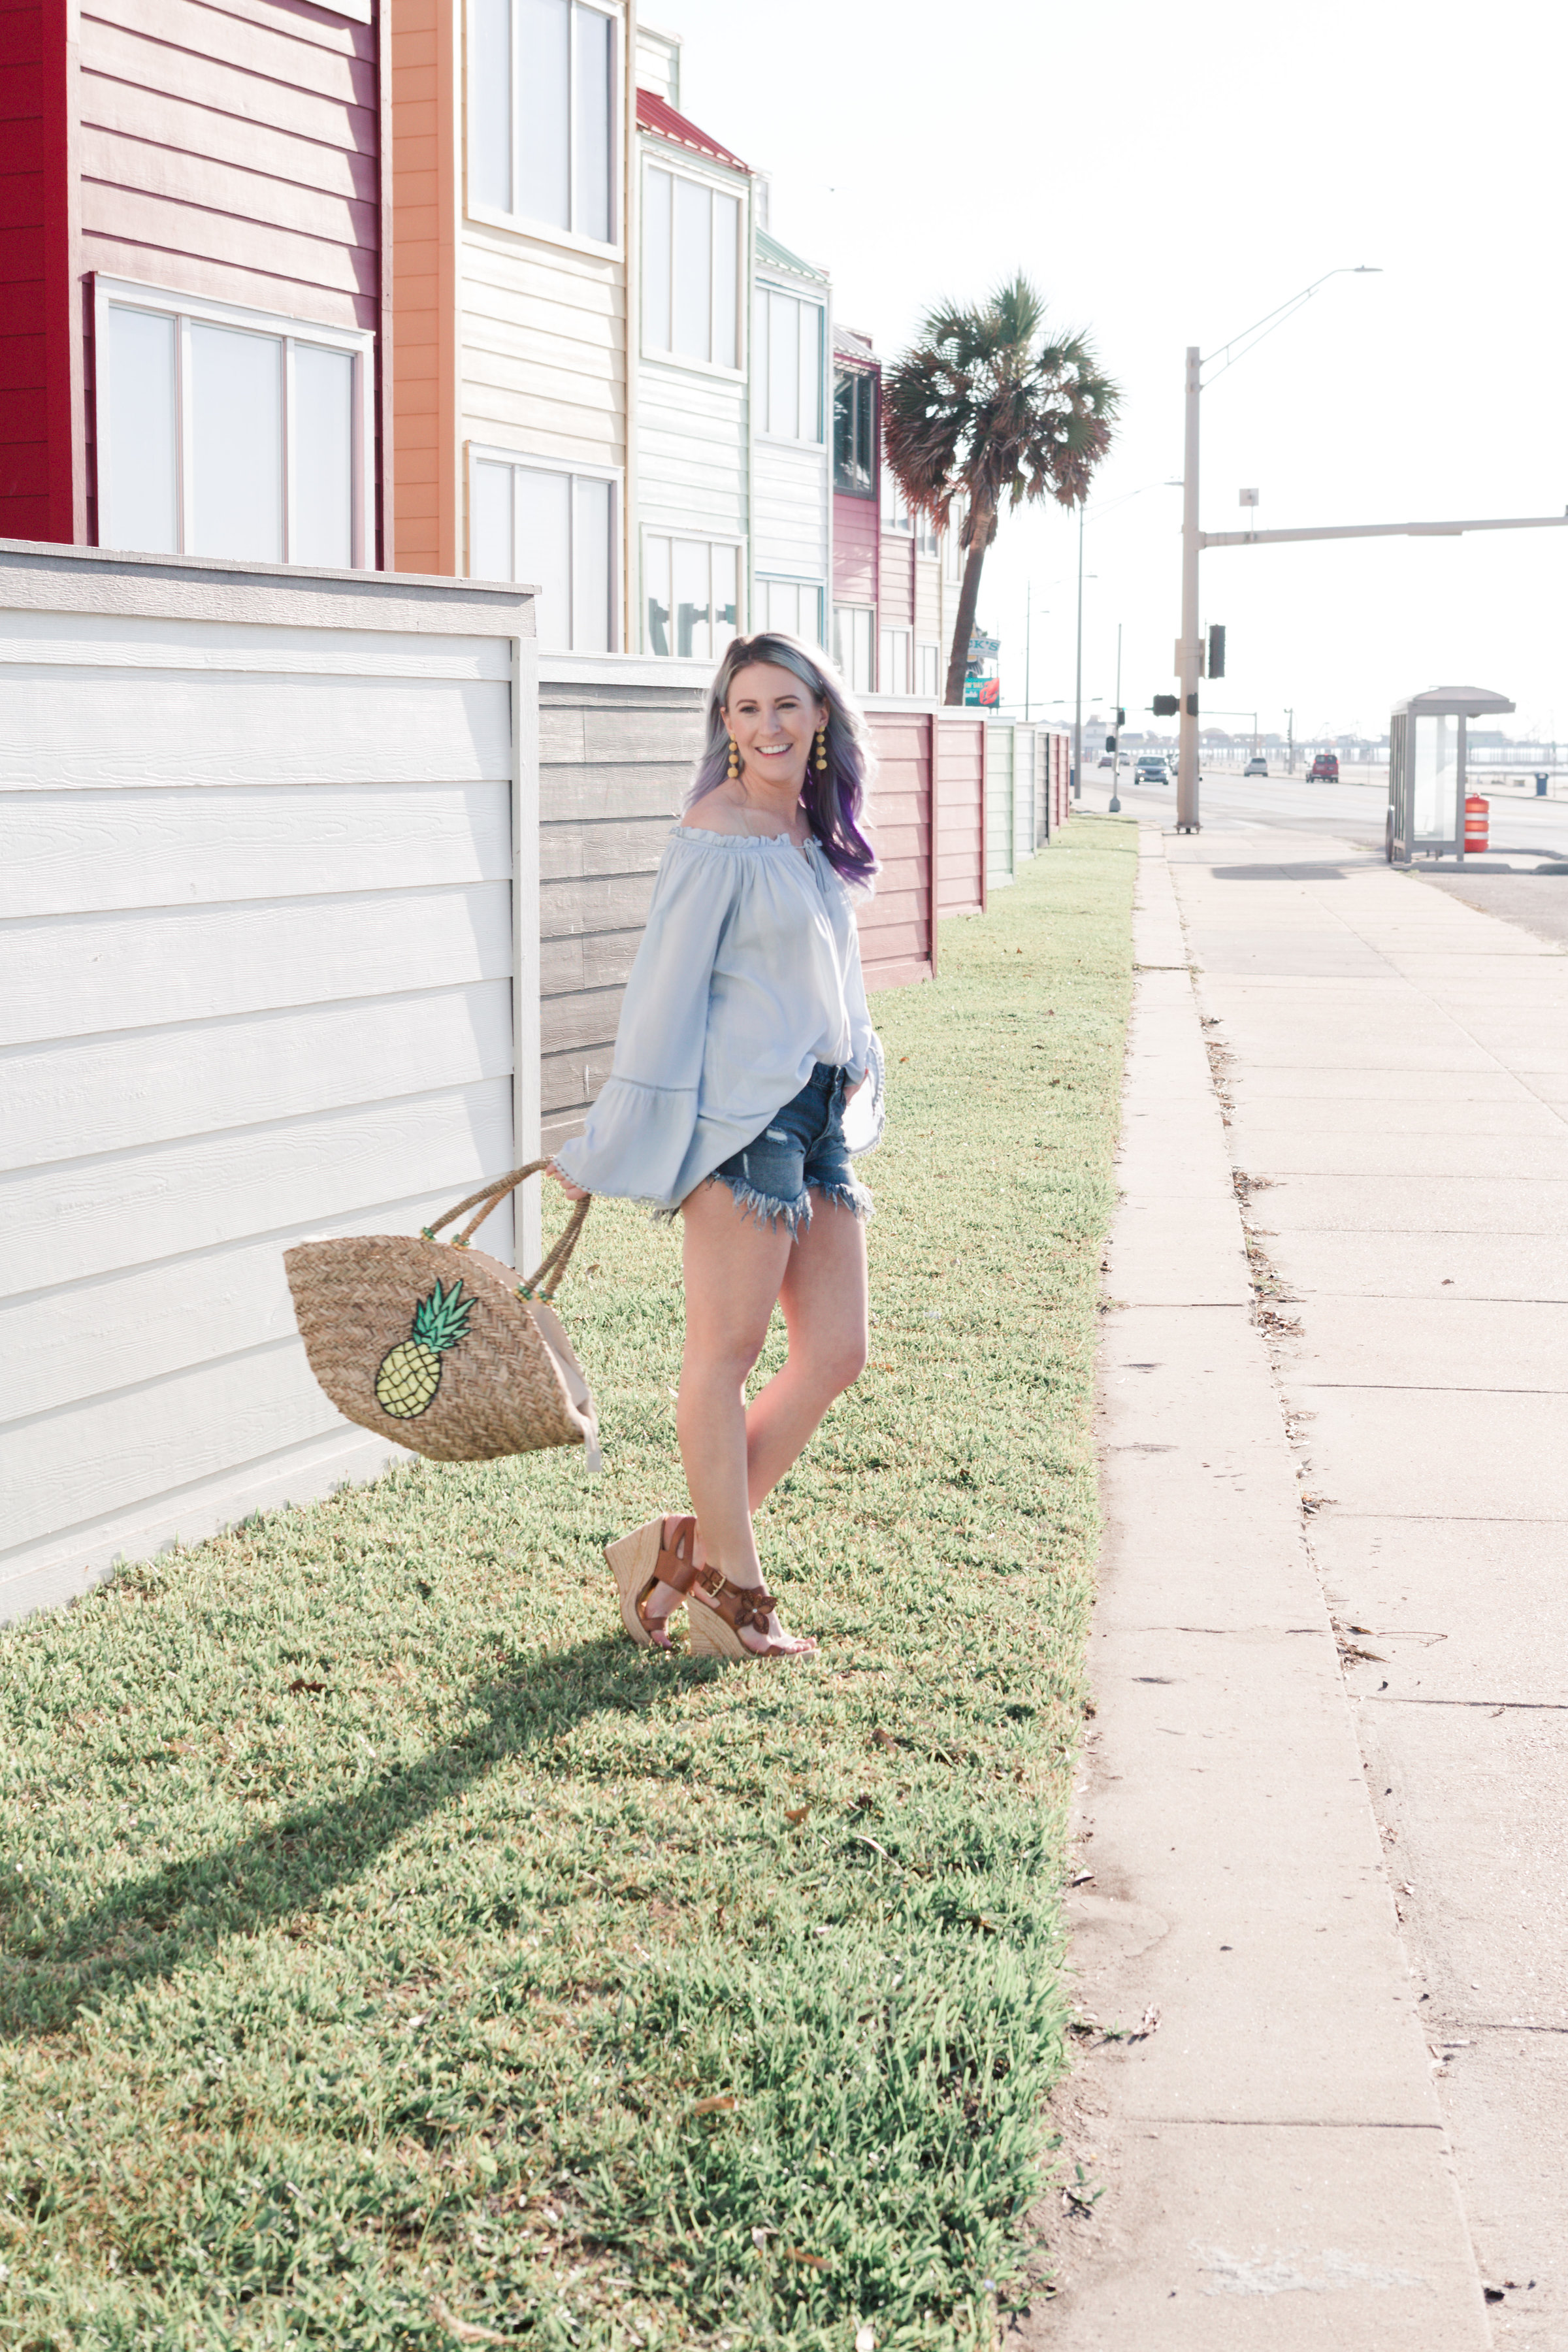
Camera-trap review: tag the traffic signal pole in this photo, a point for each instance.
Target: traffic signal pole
(1187, 740)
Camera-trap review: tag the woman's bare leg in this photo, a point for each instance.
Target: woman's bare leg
(734, 1268)
(735, 1456)
(824, 1298)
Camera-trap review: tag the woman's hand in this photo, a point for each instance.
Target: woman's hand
(573, 1191)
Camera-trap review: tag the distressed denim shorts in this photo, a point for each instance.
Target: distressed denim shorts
(801, 1151)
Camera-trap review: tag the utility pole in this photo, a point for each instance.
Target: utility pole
(1116, 731)
(1290, 742)
(1078, 678)
(1028, 620)
(1187, 653)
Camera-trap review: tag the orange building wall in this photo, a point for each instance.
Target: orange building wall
(426, 195)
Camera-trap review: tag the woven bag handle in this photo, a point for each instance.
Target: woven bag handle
(556, 1261)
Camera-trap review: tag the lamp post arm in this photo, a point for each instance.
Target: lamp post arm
(1382, 531)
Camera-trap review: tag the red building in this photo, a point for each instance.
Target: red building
(857, 479)
(192, 278)
(895, 579)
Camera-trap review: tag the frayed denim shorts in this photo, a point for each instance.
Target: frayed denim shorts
(801, 1151)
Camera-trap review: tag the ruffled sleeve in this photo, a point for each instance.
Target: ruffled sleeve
(640, 1129)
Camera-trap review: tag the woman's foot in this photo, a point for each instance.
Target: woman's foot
(661, 1549)
(729, 1620)
(659, 1604)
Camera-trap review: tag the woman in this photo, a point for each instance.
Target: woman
(743, 1034)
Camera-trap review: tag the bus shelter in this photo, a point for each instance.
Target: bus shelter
(1426, 771)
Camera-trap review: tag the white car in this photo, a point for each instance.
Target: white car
(1255, 767)
(1153, 768)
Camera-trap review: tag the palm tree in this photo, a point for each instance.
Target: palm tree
(984, 409)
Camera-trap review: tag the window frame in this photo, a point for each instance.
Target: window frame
(657, 157)
(893, 503)
(708, 539)
(824, 391)
(185, 310)
(869, 613)
(488, 453)
(887, 642)
(797, 581)
(868, 377)
(523, 223)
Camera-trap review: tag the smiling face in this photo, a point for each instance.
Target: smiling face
(772, 717)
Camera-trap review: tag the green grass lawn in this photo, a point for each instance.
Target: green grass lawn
(392, 1955)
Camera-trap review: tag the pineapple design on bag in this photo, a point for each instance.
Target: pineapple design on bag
(408, 1375)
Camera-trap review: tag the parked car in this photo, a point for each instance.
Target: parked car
(1325, 769)
(1107, 759)
(1153, 768)
(1255, 766)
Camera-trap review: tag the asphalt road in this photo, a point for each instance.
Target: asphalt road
(1520, 826)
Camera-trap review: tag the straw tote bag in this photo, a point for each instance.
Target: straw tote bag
(440, 1348)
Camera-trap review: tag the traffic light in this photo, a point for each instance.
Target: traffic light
(1216, 650)
(1120, 719)
(1166, 705)
(1111, 742)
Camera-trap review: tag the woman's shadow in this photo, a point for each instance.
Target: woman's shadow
(147, 1927)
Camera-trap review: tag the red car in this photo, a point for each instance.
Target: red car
(1325, 769)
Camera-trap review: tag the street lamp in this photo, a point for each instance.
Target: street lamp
(1226, 356)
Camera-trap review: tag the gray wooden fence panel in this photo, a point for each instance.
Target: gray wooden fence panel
(619, 739)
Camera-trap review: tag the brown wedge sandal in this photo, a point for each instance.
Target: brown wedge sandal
(715, 1625)
(639, 1562)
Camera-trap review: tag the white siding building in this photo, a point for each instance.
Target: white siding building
(791, 504)
(693, 466)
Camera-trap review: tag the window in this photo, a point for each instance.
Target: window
(896, 514)
(786, 366)
(542, 114)
(895, 665)
(852, 639)
(855, 432)
(227, 432)
(929, 659)
(793, 605)
(925, 535)
(691, 270)
(556, 530)
(691, 596)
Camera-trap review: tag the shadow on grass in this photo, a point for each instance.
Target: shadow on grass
(146, 1927)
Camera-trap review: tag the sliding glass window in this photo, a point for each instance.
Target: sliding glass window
(554, 530)
(227, 432)
(691, 270)
(541, 111)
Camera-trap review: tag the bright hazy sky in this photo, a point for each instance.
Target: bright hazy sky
(1167, 174)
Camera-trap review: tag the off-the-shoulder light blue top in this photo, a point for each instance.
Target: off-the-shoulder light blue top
(748, 974)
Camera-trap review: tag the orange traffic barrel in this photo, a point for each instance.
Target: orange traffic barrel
(1476, 814)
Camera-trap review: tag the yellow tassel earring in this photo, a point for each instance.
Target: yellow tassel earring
(821, 762)
(734, 759)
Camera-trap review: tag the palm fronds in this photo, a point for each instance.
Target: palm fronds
(983, 410)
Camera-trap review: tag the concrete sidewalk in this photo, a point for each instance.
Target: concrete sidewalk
(1333, 1397)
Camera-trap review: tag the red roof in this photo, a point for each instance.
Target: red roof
(655, 115)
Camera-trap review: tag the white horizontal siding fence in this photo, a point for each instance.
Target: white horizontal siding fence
(999, 820)
(268, 926)
(1024, 765)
